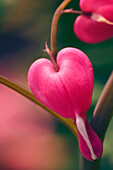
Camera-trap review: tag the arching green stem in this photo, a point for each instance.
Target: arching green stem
(18, 88)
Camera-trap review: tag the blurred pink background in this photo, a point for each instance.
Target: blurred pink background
(27, 136)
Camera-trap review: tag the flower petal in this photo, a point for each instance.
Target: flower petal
(64, 91)
(89, 30)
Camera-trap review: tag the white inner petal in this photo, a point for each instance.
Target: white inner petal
(100, 18)
(82, 130)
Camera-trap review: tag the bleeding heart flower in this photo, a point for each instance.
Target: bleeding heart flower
(68, 92)
(96, 23)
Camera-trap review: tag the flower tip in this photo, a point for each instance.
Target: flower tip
(89, 142)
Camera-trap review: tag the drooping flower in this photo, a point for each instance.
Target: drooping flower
(96, 23)
(68, 92)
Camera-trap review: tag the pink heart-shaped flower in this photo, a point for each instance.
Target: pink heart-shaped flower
(68, 92)
(88, 27)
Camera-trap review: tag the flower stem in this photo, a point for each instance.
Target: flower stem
(104, 109)
(100, 120)
(55, 20)
(56, 68)
(18, 88)
(88, 165)
(72, 11)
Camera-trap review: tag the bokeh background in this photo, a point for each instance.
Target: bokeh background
(31, 138)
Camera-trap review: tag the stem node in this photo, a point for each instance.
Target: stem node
(56, 68)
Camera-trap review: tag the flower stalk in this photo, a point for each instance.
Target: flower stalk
(56, 68)
(54, 24)
(72, 11)
(104, 109)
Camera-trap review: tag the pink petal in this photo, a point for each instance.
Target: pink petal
(89, 30)
(94, 5)
(47, 87)
(77, 76)
(68, 90)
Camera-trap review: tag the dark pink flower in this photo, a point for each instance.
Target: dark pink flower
(68, 92)
(96, 23)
